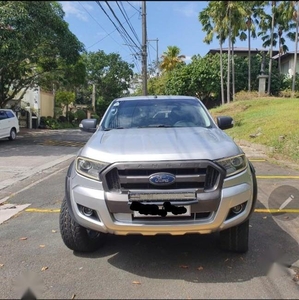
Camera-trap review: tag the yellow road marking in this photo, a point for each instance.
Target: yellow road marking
(257, 210)
(274, 210)
(277, 177)
(42, 210)
(257, 159)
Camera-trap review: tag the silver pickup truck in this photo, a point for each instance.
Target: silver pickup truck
(158, 165)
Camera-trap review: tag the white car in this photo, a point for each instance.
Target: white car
(9, 124)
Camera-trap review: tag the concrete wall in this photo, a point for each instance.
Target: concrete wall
(46, 104)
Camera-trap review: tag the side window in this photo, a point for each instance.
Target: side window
(10, 114)
(2, 115)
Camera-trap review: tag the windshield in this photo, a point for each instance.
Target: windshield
(156, 113)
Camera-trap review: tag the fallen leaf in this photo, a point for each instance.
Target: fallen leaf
(23, 238)
(184, 266)
(286, 217)
(200, 268)
(229, 267)
(226, 260)
(136, 282)
(265, 217)
(74, 296)
(1, 265)
(54, 231)
(42, 246)
(45, 268)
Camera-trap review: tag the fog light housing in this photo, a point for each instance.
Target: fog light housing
(238, 208)
(87, 212)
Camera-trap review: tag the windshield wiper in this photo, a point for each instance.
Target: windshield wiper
(107, 129)
(156, 126)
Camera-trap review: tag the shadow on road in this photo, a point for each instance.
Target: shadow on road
(197, 258)
(43, 143)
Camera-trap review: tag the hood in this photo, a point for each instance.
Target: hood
(152, 144)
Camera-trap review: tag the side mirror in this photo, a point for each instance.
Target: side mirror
(88, 125)
(225, 122)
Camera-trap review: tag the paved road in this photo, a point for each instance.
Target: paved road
(33, 254)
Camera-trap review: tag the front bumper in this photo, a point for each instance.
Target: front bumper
(114, 216)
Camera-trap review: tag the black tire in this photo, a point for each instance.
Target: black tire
(235, 238)
(12, 135)
(76, 237)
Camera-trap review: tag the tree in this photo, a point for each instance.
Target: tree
(268, 22)
(199, 78)
(211, 19)
(33, 37)
(253, 10)
(236, 13)
(64, 98)
(284, 16)
(283, 13)
(171, 58)
(296, 18)
(110, 74)
(66, 76)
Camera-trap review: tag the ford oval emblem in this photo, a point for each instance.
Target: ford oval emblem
(162, 179)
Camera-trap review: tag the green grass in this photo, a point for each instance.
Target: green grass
(272, 117)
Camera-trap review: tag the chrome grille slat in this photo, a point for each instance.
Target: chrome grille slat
(144, 179)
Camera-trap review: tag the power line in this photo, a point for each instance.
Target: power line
(118, 29)
(121, 30)
(115, 16)
(108, 34)
(123, 11)
(133, 6)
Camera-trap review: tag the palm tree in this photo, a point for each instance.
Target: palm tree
(282, 20)
(253, 9)
(237, 15)
(271, 46)
(268, 22)
(171, 58)
(228, 51)
(296, 18)
(211, 19)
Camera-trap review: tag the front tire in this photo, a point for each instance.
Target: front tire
(12, 135)
(75, 236)
(235, 238)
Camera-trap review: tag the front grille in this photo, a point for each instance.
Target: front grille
(123, 178)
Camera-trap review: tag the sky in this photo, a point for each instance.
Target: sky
(173, 23)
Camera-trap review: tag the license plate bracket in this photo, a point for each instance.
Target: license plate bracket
(169, 214)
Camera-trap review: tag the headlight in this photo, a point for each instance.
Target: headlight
(233, 165)
(89, 168)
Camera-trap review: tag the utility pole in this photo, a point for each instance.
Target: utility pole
(157, 59)
(93, 100)
(144, 50)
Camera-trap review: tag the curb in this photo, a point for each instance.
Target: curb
(266, 152)
(258, 147)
